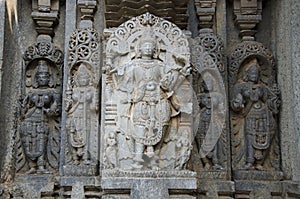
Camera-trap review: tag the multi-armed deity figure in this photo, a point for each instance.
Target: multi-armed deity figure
(257, 104)
(148, 114)
(81, 107)
(40, 108)
(210, 136)
(148, 88)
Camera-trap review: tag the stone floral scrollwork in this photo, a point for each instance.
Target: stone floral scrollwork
(38, 143)
(255, 104)
(147, 67)
(208, 52)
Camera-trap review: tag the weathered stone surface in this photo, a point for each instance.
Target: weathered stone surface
(148, 103)
(161, 123)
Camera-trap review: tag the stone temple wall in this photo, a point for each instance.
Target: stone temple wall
(149, 99)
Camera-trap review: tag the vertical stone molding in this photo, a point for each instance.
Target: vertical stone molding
(206, 10)
(45, 14)
(82, 96)
(247, 15)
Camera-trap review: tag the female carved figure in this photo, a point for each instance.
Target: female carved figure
(210, 137)
(148, 87)
(80, 109)
(257, 104)
(40, 107)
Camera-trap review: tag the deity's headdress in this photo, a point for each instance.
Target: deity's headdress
(82, 71)
(252, 66)
(42, 67)
(148, 36)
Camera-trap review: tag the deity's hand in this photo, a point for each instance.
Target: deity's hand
(237, 103)
(186, 70)
(166, 81)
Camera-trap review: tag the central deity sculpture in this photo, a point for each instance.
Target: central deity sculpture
(146, 88)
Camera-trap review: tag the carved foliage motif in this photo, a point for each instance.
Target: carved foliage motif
(84, 45)
(147, 118)
(208, 52)
(209, 72)
(38, 143)
(82, 102)
(255, 104)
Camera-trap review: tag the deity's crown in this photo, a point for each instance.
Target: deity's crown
(148, 36)
(82, 71)
(42, 66)
(253, 66)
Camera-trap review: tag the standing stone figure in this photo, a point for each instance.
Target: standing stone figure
(40, 107)
(210, 138)
(80, 109)
(148, 88)
(257, 104)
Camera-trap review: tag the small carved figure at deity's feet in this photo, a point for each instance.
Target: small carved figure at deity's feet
(150, 151)
(248, 166)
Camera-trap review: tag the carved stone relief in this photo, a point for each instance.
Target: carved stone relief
(210, 144)
(254, 108)
(148, 114)
(82, 103)
(38, 142)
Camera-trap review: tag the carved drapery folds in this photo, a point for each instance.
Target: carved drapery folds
(38, 141)
(82, 103)
(255, 105)
(148, 103)
(210, 145)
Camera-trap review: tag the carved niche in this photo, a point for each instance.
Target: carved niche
(38, 141)
(254, 100)
(148, 96)
(210, 144)
(82, 103)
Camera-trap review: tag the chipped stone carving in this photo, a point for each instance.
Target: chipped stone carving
(38, 143)
(209, 75)
(149, 100)
(255, 104)
(82, 103)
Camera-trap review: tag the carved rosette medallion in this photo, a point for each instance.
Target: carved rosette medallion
(254, 101)
(38, 141)
(148, 103)
(208, 52)
(82, 103)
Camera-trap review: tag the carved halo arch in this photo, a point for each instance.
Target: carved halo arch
(245, 51)
(124, 40)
